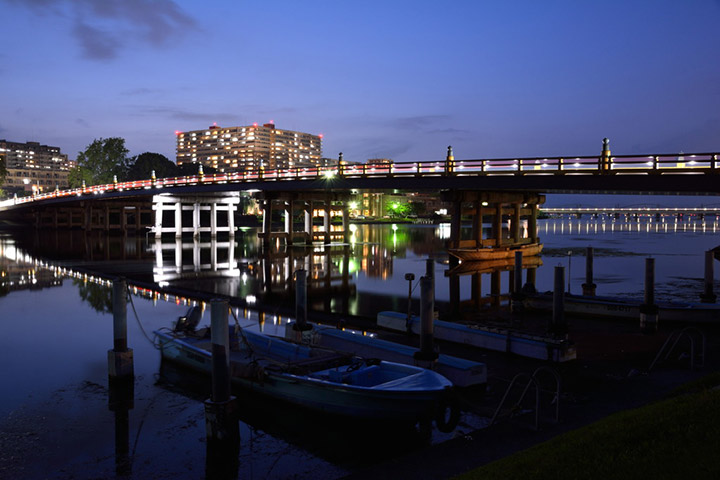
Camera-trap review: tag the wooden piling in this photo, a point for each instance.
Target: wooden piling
(409, 277)
(427, 355)
(557, 322)
(120, 358)
(220, 338)
(708, 296)
(589, 287)
(221, 420)
(301, 323)
(648, 309)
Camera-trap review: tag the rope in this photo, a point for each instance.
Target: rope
(132, 304)
(238, 329)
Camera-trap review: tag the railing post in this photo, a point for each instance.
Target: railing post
(560, 165)
(656, 161)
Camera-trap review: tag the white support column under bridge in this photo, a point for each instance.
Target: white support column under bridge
(227, 202)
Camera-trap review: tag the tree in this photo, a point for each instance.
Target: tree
(100, 162)
(142, 166)
(3, 175)
(3, 170)
(397, 209)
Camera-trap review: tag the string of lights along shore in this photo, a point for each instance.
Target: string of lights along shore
(250, 148)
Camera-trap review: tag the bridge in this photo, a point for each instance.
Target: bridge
(635, 211)
(510, 187)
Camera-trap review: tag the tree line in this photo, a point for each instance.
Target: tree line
(107, 158)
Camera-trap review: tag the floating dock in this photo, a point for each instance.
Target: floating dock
(503, 340)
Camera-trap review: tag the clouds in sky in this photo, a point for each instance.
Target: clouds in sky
(103, 28)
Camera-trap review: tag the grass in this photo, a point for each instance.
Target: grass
(674, 438)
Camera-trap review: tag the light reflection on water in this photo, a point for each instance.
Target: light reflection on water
(53, 350)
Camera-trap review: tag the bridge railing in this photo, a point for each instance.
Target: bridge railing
(690, 163)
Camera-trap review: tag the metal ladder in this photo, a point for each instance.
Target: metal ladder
(697, 359)
(532, 380)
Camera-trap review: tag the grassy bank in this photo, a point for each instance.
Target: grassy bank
(674, 438)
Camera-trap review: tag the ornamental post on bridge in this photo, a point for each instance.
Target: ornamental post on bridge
(449, 161)
(605, 160)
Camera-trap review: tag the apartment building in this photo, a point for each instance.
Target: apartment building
(251, 148)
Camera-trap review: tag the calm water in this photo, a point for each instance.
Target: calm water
(54, 416)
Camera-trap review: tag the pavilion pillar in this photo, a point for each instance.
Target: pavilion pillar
(516, 223)
(497, 225)
(455, 223)
(532, 224)
(477, 232)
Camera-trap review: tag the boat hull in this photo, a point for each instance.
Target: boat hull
(495, 253)
(316, 391)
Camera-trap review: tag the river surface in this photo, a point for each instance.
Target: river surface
(55, 417)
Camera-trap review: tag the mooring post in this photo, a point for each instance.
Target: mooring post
(426, 356)
(301, 324)
(516, 298)
(409, 277)
(430, 273)
(708, 296)
(648, 309)
(557, 322)
(221, 420)
(430, 268)
(589, 287)
(120, 358)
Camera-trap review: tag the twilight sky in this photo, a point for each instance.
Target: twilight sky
(378, 78)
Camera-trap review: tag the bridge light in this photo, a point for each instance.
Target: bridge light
(329, 174)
